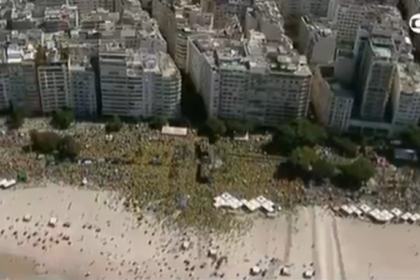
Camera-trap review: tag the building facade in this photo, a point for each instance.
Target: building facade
(250, 79)
(54, 86)
(139, 84)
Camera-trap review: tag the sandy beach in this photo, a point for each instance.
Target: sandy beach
(103, 241)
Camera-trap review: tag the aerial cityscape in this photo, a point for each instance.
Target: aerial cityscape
(211, 139)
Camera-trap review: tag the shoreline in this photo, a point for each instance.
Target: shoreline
(104, 241)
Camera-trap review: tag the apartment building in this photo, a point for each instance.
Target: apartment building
(316, 8)
(225, 10)
(60, 18)
(332, 101)
(136, 83)
(406, 94)
(127, 29)
(177, 21)
(377, 69)
(84, 6)
(83, 87)
(317, 40)
(18, 79)
(54, 83)
(265, 17)
(87, 6)
(250, 79)
(350, 14)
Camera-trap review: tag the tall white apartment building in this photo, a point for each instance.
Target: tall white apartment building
(317, 8)
(54, 85)
(406, 94)
(18, 79)
(177, 21)
(317, 40)
(83, 87)
(135, 83)
(250, 79)
(265, 17)
(377, 69)
(350, 14)
(332, 102)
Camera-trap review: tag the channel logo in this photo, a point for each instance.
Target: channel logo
(414, 23)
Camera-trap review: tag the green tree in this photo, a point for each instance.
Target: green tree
(214, 128)
(322, 169)
(308, 133)
(303, 159)
(44, 142)
(62, 119)
(285, 139)
(158, 122)
(345, 145)
(411, 138)
(357, 172)
(16, 118)
(114, 125)
(68, 147)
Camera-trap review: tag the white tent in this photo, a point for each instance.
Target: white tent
(346, 210)
(375, 214)
(235, 203)
(365, 209)
(406, 216)
(387, 216)
(252, 205)
(268, 206)
(220, 202)
(414, 218)
(396, 212)
(261, 199)
(226, 196)
(355, 211)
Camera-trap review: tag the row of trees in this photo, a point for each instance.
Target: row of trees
(298, 140)
(47, 142)
(215, 128)
(303, 132)
(308, 164)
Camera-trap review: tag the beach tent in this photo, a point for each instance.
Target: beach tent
(346, 210)
(252, 205)
(386, 215)
(414, 218)
(375, 214)
(406, 216)
(355, 211)
(235, 203)
(396, 212)
(365, 209)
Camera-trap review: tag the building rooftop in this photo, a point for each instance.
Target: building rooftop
(409, 74)
(320, 26)
(253, 54)
(382, 51)
(138, 59)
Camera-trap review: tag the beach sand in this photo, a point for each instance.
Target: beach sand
(105, 242)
